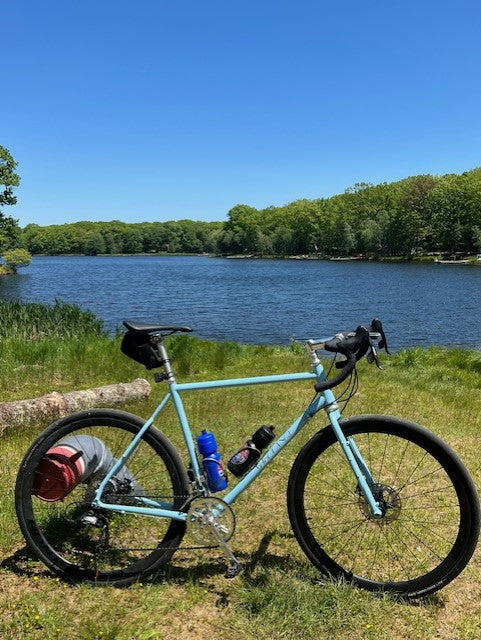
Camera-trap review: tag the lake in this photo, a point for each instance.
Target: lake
(264, 301)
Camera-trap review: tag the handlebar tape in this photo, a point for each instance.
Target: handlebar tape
(353, 348)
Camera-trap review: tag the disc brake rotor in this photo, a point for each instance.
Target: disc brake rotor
(389, 501)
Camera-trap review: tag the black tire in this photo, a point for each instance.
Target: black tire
(429, 531)
(64, 538)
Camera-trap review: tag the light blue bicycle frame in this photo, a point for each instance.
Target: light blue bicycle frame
(325, 400)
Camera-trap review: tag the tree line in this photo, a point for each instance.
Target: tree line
(420, 214)
(92, 238)
(417, 215)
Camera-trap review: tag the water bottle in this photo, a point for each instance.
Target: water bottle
(250, 451)
(213, 467)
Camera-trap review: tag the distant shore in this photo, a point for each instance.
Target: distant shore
(434, 258)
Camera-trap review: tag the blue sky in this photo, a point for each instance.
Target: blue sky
(155, 110)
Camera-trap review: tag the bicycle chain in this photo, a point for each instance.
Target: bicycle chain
(183, 507)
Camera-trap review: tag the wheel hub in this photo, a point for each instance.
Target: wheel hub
(389, 502)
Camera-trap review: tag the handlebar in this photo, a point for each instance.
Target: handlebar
(354, 346)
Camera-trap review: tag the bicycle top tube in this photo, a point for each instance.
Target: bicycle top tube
(145, 344)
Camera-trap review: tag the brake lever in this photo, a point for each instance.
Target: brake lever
(372, 355)
(376, 325)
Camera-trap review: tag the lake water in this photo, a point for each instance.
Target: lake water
(264, 301)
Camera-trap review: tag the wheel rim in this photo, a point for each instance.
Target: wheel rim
(421, 523)
(75, 538)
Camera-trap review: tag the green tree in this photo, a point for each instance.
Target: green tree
(370, 236)
(94, 244)
(344, 238)
(8, 178)
(240, 229)
(477, 238)
(420, 213)
(9, 231)
(16, 258)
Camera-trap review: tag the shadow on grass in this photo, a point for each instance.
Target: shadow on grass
(255, 571)
(213, 567)
(24, 563)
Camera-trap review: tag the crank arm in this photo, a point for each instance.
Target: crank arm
(234, 566)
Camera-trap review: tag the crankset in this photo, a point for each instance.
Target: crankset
(211, 521)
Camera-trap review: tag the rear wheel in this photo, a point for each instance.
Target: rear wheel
(95, 545)
(430, 523)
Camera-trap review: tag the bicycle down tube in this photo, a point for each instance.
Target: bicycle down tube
(325, 400)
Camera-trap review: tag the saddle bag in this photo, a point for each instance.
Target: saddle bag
(138, 347)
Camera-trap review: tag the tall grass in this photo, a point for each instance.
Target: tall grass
(32, 320)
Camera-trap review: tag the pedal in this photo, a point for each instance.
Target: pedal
(234, 569)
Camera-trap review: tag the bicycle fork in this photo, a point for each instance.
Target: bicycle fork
(360, 469)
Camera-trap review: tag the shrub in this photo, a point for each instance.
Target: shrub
(16, 258)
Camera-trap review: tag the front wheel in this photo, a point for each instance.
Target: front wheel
(57, 481)
(430, 523)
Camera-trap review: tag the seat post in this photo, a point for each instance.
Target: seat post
(165, 360)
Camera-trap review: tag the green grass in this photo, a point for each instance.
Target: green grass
(280, 595)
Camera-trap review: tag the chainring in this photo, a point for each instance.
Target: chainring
(208, 515)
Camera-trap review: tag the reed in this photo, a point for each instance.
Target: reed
(33, 320)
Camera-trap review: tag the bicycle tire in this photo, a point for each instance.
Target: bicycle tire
(106, 547)
(430, 528)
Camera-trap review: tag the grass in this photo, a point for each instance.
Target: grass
(280, 595)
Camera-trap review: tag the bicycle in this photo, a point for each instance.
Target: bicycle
(102, 496)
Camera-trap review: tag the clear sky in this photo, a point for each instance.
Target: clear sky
(143, 110)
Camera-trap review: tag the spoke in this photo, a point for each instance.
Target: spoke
(453, 506)
(428, 492)
(369, 450)
(379, 477)
(340, 481)
(145, 467)
(333, 498)
(386, 539)
(358, 548)
(433, 531)
(377, 547)
(398, 556)
(426, 475)
(335, 523)
(421, 541)
(418, 466)
(399, 464)
(343, 550)
(435, 524)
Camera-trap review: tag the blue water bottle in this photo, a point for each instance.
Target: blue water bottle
(213, 467)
